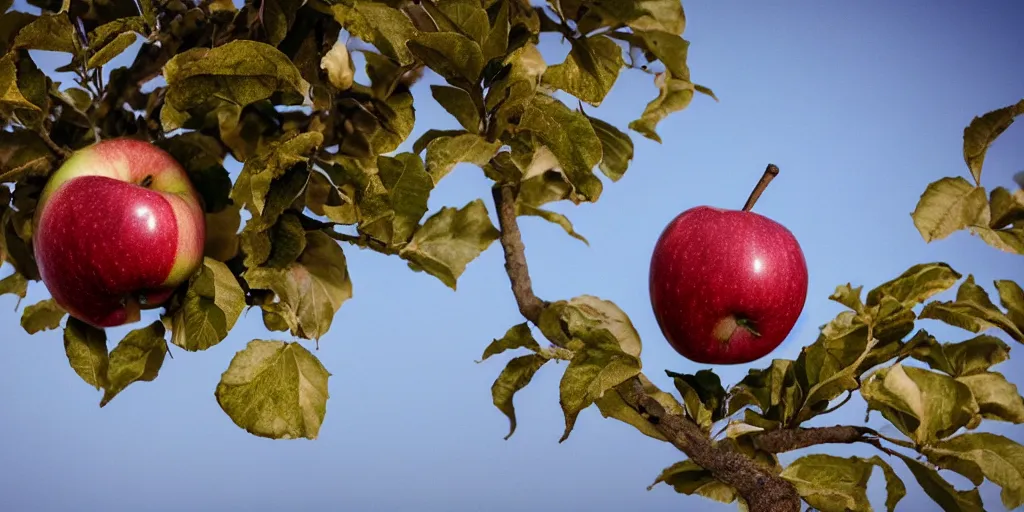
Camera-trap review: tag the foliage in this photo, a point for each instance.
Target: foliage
(273, 85)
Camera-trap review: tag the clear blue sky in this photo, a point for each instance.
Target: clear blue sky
(861, 104)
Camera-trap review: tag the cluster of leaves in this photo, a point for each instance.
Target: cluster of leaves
(272, 84)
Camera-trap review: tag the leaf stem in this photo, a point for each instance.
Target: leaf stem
(769, 174)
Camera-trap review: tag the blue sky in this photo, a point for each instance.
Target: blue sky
(861, 104)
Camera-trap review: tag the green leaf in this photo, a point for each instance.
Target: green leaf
(14, 284)
(925, 405)
(112, 49)
(917, 284)
(516, 375)
(969, 357)
(496, 44)
(444, 153)
(703, 395)
(288, 241)
(241, 72)
(459, 104)
(984, 455)
(222, 233)
(136, 358)
(998, 399)
(983, 131)
(940, 491)
(432, 134)
(11, 97)
(445, 244)
(50, 32)
(670, 49)
(686, 477)
(42, 316)
(86, 349)
(612, 405)
(211, 307)
(774, 390)
(518, 336)
(268, 166)
(674, 95)
(895, 490)
(570, 137)
(276, 390)
(386, 28)
(408, 187)
(849, 296)
(589, 71)
(552, 217)
(972, 311)
(596, 367)
(616, 146)
(946, 206)
(309, 291)
(455, 57)
(587, 317)
(829, 483)
(467, 16)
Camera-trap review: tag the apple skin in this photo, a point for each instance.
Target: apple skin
(713, 270)
(117, 228)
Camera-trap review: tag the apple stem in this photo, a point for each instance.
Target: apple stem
(769, 174)
(147, 181)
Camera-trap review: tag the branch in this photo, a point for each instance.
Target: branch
(785, 440)
(515, 254)
(760, 488)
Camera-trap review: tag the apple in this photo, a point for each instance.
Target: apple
(117, 228)
(727, 286)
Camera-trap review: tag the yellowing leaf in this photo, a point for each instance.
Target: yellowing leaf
(570, 137)
(136, 358)
(276, 390)
(617, 149)
(454, 56)
(703, 396)
(612, 405)
(589, 71)
(222, 233)
(688, 478)
(408, 187)
(917, 284)
(11, 97)
(51, 32)
(42, 316)
(459, 104)
(984, 455)
(516, 375)
(829, 483)
(241, 71)
(309, 291)
(518, 336)
(983, 131)
(998, 399)
(924, 405)
(112, 49)
(270, 165)
(940, 491)
(385, 27)
(444, 153)
(14, 284)
(449, 240)
(211, 307)
(1006, 208)
(86, 349)
(973, 311)
(587, 317)
(674, 95)
(946, 206)
(552, 217)
(968, 357)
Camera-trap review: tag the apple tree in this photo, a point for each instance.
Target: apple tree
(273, 85)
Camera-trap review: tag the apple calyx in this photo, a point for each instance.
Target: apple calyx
(147, 181)
(727, 327)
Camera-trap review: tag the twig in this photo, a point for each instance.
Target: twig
(785, 440)
(515, 254)
(63, 153)
(769, 174)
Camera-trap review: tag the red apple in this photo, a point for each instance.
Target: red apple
(727, 286)
(118, 227)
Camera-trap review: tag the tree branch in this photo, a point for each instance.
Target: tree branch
(785, 440)
(763, 490)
